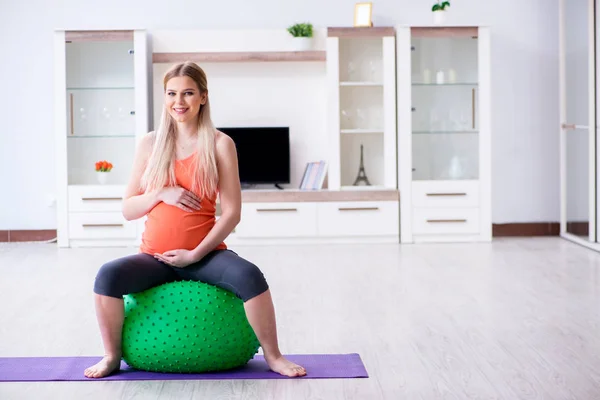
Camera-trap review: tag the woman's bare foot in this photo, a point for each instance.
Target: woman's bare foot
(285, 367)
(105, 367)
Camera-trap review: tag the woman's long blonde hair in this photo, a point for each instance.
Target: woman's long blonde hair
(160, 170)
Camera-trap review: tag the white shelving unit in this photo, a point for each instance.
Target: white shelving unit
(102, 109)
(444, 131)
(262, 65)
(361, 76)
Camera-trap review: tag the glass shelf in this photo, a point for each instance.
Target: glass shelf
(360, 83)
(446, 84)
(449, 132)
(100, 136)
(360, 131)
(101, 88)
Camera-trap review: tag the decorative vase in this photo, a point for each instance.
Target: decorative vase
(302, 43)
(439, 17)
(102, 177)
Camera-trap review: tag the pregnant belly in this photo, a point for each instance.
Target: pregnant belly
(170, 228)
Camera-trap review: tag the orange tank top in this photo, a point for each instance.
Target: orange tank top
(170, 228)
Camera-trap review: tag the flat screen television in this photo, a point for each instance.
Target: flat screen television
(263, 154)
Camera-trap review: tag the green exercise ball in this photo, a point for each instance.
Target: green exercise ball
(186, 327)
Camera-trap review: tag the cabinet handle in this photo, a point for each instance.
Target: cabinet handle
(101, 198)
(473, 106)
(358, 208)
(276, 209)
(446, 194)
(573, 126)
(446, 220)
(71, 107)
(101, 225)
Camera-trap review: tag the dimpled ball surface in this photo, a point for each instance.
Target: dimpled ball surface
(186, 327)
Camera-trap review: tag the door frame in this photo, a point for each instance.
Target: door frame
(566, 126)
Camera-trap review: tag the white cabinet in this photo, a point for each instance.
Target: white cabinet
(317, 222)
(110, 226)
(361, 79)
(102, 109)
(444, 133)
(358, 219)
(452, 194)
(276, 220)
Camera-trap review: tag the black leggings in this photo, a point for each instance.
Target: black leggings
(222, 268)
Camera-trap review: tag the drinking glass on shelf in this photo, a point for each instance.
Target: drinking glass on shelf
(464, 121)
(434, 120)
(372, 71)
(376, 117)
(360, 118)
(346, 119)
(351, 71)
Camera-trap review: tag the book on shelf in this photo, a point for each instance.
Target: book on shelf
(314, 175)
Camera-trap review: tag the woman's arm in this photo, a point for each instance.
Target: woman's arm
(230, 193)
(137, 204)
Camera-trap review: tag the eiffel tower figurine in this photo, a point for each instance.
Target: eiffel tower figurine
(362, 175)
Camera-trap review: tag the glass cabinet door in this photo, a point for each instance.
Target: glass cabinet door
(445, 135)
(101, 117)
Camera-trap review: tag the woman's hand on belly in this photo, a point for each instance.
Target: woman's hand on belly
(181, 198)
(177, 258)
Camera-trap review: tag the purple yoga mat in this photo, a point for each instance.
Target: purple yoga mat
(318, 366)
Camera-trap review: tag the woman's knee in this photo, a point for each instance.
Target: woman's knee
(247, 279)
(108, 278)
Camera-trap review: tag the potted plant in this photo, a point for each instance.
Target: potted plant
(439, 11)
(102, 170)
(303, 34)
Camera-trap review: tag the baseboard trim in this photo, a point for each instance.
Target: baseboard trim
(526, 229)
(498, 230)
(34, 235)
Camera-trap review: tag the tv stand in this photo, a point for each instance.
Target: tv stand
(317, 216)
(278, 187)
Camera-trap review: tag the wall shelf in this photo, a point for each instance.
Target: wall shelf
(349, 32)
(234, 56)
(359, 194)
(364, 83)
(361, 130)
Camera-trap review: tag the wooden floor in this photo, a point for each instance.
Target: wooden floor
(516, 319)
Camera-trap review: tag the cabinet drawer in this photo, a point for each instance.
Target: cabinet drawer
(100, 225)
(444, 194)
(358, 218)
(446, 221)
(277, 220)
(96, 198)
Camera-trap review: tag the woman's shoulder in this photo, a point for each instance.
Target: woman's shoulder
(147, 141)
(149, 137)
(222, 140)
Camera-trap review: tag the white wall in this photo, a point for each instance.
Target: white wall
(524, 90)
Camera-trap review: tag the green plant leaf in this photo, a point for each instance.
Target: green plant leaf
(445, 4)
(436, 7)
(301, 30)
